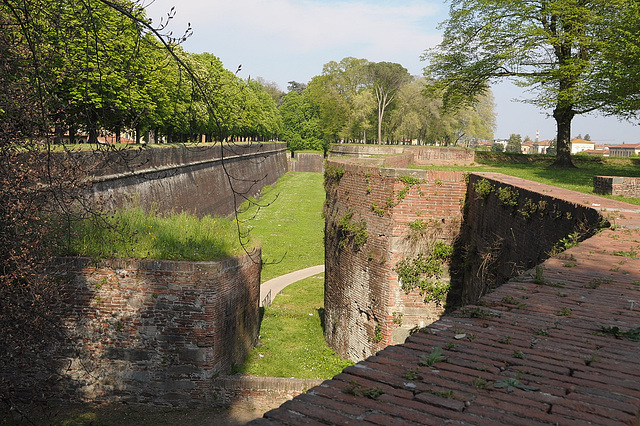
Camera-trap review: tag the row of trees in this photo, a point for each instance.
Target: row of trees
(101, 68)
(355, 100)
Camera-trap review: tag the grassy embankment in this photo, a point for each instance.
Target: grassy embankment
(133, 233)
(291, 230)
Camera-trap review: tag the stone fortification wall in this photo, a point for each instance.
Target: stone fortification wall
(368, 216)
(378, 219)
(150, 331)
(404, 155)
(197, 179)
(508, 229)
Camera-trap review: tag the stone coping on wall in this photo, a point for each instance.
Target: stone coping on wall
(547, 347)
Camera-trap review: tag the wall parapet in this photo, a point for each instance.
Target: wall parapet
(149, 331)
(201, 180)
(403, 155)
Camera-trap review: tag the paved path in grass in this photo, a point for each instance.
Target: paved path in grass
(269, 289)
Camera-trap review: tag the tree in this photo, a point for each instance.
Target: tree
(558, 48)
(514, 144)
(387, 78)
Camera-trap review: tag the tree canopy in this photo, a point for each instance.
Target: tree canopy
(560, 49)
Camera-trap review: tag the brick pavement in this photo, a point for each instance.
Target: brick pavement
(531, 352)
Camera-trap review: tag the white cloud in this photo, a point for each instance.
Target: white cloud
(304, 27)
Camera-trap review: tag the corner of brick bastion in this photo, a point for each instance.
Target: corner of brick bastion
(402, 244)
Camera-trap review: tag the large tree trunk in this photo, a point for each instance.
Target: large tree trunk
(563, 116)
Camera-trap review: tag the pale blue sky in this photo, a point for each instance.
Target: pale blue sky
(283, 40)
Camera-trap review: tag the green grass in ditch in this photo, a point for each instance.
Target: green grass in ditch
(290, 224)
(291, 343)
(132, 233)
(579, 179)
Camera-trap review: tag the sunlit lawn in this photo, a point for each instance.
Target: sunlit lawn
(291, 340)
(291, 229)
(579, 179)
(290, 225)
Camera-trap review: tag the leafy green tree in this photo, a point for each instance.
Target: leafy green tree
(558, 48)
(514, 144)
(386, 78)
(300, 122)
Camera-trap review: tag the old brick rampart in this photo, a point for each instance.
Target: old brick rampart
(378, 217)
(202, 179)
(150, 331)
(311, 162)
(508, 229)
(404, 155)
(365, 308)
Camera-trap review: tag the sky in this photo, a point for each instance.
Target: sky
(285, 40)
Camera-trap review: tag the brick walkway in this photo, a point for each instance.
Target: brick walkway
(531, 352)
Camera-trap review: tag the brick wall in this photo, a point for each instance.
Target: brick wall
(496, 235)
(365, 308)
(499, 240)
(617, 185)
(403, 155)
(194, 179)
(306, 162)
(151, 331)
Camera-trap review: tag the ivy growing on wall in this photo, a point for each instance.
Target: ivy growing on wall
(425, 271)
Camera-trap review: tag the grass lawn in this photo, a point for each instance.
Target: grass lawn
(291, 228)
(291, 342)
(579, 179)
(290, 225)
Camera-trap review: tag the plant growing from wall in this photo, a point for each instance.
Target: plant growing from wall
(409, 182)
(352, 232)
(483, 188)
(508, 197)
(425, 271)
(377, 210)
(332, 176)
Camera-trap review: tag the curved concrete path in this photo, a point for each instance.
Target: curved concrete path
(269, 289)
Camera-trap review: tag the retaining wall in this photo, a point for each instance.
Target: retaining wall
(202, 179)
(403, 155)
(150, 331)
(306, 162)
(508, 229)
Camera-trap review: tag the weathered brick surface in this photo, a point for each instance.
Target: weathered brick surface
(152, 331)
(402, 155)
(543, 337)
(365, 307)
(306, 162)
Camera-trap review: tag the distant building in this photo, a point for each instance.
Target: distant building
(541, 147)
(624, 150)
(526, 147)
(581, 145)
